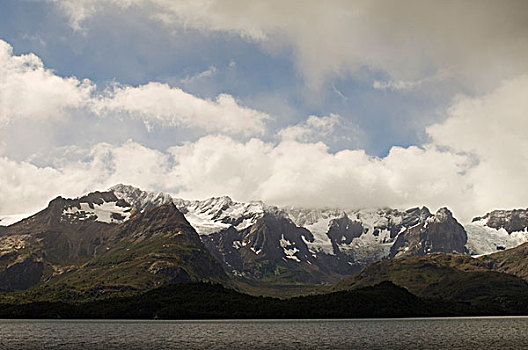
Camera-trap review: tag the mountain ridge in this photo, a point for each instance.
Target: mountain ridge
(251, 240)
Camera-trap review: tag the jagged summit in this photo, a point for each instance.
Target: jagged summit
(440, 232)
(442, 215)
(142, 200)
(515, 220)
(206, 216)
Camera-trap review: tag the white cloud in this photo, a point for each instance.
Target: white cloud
(306, 174)
(79, 10)
(405, 85)
(159, 103)
(477, 162)
(29, 90)
(492, 130)
(314, 128)
(396, 85)
(209, 72)
(290, 173)
(409, 39)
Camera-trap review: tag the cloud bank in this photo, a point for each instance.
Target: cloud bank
(477, 161)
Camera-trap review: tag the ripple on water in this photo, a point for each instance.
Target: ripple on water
(431, 333)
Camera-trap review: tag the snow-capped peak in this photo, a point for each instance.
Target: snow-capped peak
(218, 213)
(138, 198)
(206, 216)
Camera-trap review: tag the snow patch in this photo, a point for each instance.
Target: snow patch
(108, 212)
(204, 223)
(245, 224)
(256, 251)
(289, 249)
(142, 200)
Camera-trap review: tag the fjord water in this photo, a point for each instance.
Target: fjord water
(424, 333)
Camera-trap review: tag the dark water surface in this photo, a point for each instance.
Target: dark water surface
(426, 333)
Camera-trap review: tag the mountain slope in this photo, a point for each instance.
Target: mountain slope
(272, 248)
(447, 277)
(155, 247)
(99, 243)
(512, 261)
(68, 232)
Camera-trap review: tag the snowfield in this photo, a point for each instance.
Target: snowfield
(108, 212)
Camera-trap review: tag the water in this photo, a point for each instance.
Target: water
(430, 333)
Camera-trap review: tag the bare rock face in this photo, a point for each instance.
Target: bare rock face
(437, 233)
(511, 220)
(407, 218)
(343, 230)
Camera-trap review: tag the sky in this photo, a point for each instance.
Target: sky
(348, 104)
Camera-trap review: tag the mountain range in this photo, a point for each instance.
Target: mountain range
(126, 241)
(256, 240)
